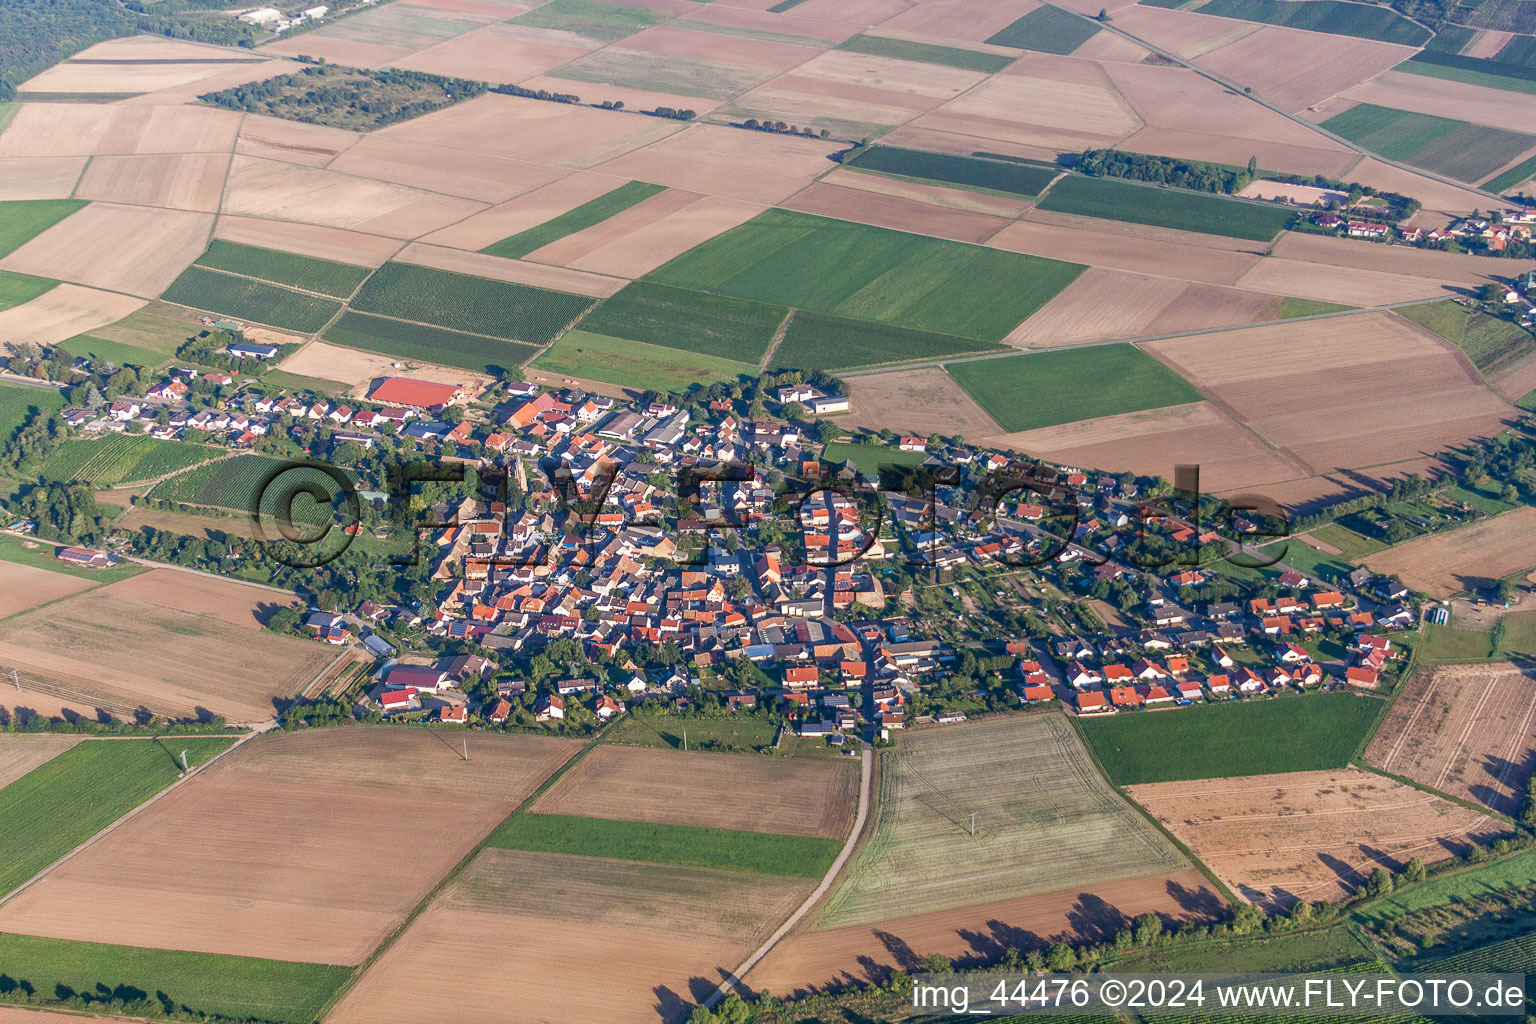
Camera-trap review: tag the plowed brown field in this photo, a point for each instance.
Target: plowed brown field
(1472, 557)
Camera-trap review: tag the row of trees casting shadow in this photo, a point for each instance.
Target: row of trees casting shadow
(121, 998)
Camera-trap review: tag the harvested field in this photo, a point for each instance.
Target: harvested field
(946, 196)
(969, 21)
(807, 960)
(1181, 99)
(359, 369)
(1045, 819)
(182, 642)
(190, 181)
(1152, 442)
(279, 191)
(20, 753)
(152, 48)
(734, 791)
(233, 75)
(918, 402)
(526, 129)
(1435, 195)
(87, 129)
(1276, 839)
(269, 843)
(1179, 32)
(1295, 69)
(345, 52)
(311, 144)
(691, 81)
(121, 248)
(62, 312)
(1441, 97)
(1469, 558)
(1465, 730)
(1448, 268)
(897, 212)
(553, 916)
(1049, 112)
(479, 176)
(538, 275)
(1231, 149)
(1116, 249)
(1106, 304)
(716, 160)
(117, 79)
(1344, 392)
(308, 240)
(641, 239)
(1350, 286)
(502, 54)
(41, 177)
(562, 194)
(25, 586)
(188, 523)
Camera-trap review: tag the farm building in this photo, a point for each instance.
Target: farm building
(416, 394)
(86, 558)
(243, 349)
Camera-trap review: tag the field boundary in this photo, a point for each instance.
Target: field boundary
(1432, 791)
(185, 777)
(1178, 844)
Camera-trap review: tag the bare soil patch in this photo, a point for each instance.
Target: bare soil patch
(1276, 839)
(1041, 111)
(187, 181)
(736, 791)
(807, 961)
(1350, 286)
(562, 192)
(970, 21)
(281, 191)
(177, 642)
(1466, 730)
(1435, 195)
(85, 78)
(496, 53)
(1344, 392)
(1441, 97)
(1117, 250)
(359, 369)
(933, 195)
(1469, 558)
(188, 523)
(1230, 149)
(921, 401)
(131, 249)
(552, 917)
(272, 845)
(1449, 268)
(468, 175)
(637, 252)
(1187, 35)
(540, 275)
(42, 177)
(25, 586)
(1154, 441)
(1296, 69)
(575, 248)
(62, 312)
(20, 753)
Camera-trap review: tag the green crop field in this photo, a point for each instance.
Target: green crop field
(715, 325)
(1461, 150)
(228, 987)
(1493, 344)
(1341, 18)
(246, 299)
(606, 23)
(1290, 306)
(1445, 643)
(993, 175)
(870, 457)
(815, 341)
(1042, 389)
(927, 53)
(428, 344)
(1305, 951)
(475, 304)
(831, 266)
(1249, 737)
(1354, 546)
(16, 289)
(568, 223)
(121, 353)
(1165, 207)
(62, 803)
(1451, 39)
(1045, 820)
(25, 219)
(798, 856)
(121, 457)
(1519, 51)
(19, 401)
(1471, 70)
(327, 277)
(1518, 174)
(634, 364)
(1509, 956)
(1464, 885)
(1048, 30)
